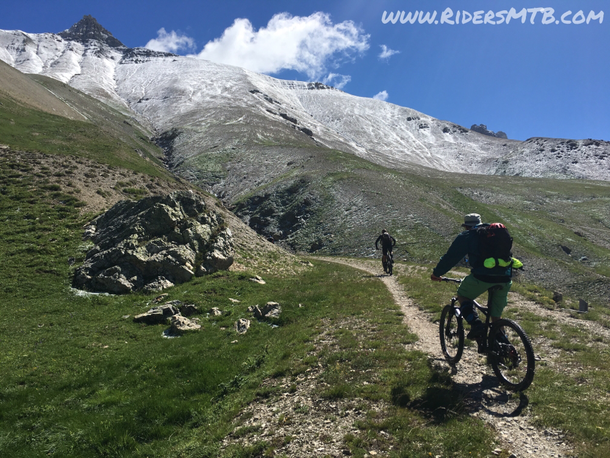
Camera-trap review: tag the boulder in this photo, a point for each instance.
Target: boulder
(157, 315)
(153, 244)
(180, 324)
(242, 325)
(269, 310)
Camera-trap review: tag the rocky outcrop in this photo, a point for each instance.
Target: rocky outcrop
(154, 243)
(482, 129)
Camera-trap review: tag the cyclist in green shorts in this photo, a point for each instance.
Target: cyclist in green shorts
(482, 277)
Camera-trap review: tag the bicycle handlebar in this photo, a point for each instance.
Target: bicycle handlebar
(454, 280)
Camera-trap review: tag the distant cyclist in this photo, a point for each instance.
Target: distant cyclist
(387, 245)
(488, 271)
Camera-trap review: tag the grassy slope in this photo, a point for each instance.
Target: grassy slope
(81, 380)
(109, 137)
(337, 204)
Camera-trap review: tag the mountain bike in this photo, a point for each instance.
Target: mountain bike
(387, 260)
(507, 346)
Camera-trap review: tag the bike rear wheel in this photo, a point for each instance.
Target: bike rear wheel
(451, 331)
(512, 360)
(390, 264)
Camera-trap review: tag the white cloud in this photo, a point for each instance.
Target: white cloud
(170, 42)
(386, 52)
(383, 95)
(306, 44)
(336, 80)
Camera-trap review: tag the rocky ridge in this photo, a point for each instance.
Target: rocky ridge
(153, 244)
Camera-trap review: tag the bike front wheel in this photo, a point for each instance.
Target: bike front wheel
(451, 331)
(512, 355)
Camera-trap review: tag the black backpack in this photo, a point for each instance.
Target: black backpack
(496, 243)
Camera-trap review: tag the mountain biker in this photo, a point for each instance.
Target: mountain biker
(387, 243)
(481, 278)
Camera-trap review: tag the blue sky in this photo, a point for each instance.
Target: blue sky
(538, 78)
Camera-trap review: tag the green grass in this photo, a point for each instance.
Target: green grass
(79, 379)
(82, 379)
(570, 393)
(27, 129)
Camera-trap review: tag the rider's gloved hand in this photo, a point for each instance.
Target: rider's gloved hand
(435, 278)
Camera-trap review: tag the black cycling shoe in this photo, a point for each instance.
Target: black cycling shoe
(477, 329)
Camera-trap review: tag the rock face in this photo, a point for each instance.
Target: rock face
(154, 243)
(89, 29)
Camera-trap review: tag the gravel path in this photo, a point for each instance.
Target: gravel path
(301, 424)
(508, 414)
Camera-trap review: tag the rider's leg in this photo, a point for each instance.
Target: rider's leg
(498, 298)
(384, 259)
(470, 289)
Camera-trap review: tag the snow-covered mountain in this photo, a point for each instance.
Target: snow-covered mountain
(221, 105)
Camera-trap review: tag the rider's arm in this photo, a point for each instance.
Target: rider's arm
(393, 241)
(457, 250)
(377, 241)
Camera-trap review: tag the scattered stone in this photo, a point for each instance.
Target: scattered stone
(180, 325)
(557, 297)
(242, 325)
(153, 244)
(160, 298)
(125, 316)
(269, 310)
(215, 311)
(157, 315)
(235, 301)
(583, 306)
(257, 279)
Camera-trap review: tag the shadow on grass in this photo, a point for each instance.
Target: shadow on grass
(490, 397)
(441, 399)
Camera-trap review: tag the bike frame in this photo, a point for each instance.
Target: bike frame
(513, 363)
(484, 310)
(483, 346)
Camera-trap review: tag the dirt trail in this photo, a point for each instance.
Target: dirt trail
(507, 414)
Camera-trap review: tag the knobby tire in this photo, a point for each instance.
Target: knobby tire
(513, 364)
(451, 331)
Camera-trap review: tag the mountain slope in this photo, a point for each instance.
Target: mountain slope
(173, 91)
(322, 171)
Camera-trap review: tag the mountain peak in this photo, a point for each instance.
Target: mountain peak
(89, 29)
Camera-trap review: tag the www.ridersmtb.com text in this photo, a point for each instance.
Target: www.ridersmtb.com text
(543, 16)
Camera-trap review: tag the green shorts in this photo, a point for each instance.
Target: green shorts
(472, 288)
